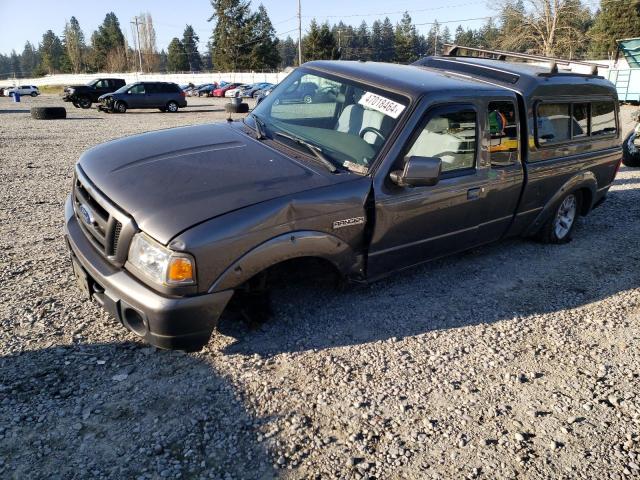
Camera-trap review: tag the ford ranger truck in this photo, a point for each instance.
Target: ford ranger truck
(402, 165)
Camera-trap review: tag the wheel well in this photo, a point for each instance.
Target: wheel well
(297, 270)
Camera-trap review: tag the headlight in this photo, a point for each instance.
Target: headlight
(160, 264)
(71, 90)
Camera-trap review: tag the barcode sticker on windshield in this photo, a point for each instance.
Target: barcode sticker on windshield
(381, 104)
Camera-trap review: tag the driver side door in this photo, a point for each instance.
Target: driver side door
(416, 224)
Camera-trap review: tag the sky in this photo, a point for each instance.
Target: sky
(170, 17)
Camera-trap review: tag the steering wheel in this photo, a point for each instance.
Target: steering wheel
(375, 131)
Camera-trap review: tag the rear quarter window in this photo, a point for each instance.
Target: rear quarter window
(603, 116)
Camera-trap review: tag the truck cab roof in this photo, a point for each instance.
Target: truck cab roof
(529, 80)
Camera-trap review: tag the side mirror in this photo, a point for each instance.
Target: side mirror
(418, 172)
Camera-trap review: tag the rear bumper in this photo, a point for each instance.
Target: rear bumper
(182, 323)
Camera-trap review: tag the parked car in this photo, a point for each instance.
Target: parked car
(262, 94)
(222, 89)
(252, 91)
(165, 96)
(303, 92)
(236, 92)
(631, 145)
(30, 90)
(408, 165)
(206, 90)
(82, 96)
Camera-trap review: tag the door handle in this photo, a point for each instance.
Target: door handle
(475, 193)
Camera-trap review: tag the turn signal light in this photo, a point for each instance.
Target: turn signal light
(180, 270)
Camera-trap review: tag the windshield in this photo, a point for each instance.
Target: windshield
(347, 121)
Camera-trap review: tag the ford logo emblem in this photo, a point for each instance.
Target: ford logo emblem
(87, 216)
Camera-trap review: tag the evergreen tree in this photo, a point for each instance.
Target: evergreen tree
(73, 41)
(362, 42)
(109, 51)
(51, 52)
(614, 21)
(177, 57)
(387, 46)
(162, 61)
(190, 43)
(446, 35)
(489, 35)
(29, 60)
(406, 40)
(288, 51)
(265, 54)
(15, 64)
(319, 43)
(376, 41)
(231, 39)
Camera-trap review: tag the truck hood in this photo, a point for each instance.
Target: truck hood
(172, 179)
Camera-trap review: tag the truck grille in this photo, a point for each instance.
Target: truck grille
(104, 224)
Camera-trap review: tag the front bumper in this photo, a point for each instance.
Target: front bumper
(182, 323)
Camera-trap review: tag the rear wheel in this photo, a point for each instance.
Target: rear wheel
(559, 228)
(630, 153)
(172, 107)
(120, 107)
(34, 94)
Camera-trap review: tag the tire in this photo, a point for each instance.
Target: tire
(236, 108)
(10, 94)
(84, 102)
(560, 226)
(172, 107)
(630, 153)
(307, 99)
(34, 94)
(48, 113)
(120, 107)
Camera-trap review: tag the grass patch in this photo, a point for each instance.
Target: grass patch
(51, 88)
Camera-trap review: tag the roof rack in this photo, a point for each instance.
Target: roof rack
(452, 50)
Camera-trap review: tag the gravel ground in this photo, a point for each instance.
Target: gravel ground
(512, 360)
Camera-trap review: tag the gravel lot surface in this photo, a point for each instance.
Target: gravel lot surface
(512, 360)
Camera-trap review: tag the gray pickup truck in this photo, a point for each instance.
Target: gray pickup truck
(400, 165)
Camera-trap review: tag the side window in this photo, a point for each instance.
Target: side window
(101, 84)
(580, 120)
(503, 128)
(137, 89)
(554, 122)
(449, 134)
(603, 116)
(153, 88)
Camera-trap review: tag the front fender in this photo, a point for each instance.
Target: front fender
(287, 247)
(581, 181)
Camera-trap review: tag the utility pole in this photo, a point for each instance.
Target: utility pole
(299, 33)
(138, 37)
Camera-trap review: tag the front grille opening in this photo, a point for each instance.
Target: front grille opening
(102, 229)
(115, 238)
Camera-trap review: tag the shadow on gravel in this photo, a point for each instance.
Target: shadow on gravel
(512, 278)
(15, 111)
(112, 410)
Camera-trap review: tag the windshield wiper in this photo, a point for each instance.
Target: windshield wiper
(317, 151)
(260, 135)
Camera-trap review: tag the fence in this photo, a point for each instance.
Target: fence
(179, 78)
